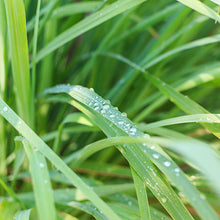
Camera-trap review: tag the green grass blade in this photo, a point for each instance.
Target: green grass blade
(3, 49)
(186, 104)
(41, 183)
(142, 196)
(113, 124)
(191, 45)
(23, 215)
(87, 24)
(75, 8)
(197, 152)
(34, 140)
(183, 102)
(201, 8)
(207, 118)
(10, 192)
(19, 57)
(33, 74)
(88, 209)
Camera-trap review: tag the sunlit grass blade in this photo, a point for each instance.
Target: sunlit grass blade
(196, 80)
(208, 118)
(19, 58)
(201, 8)
(87, 24)
(114, 124)
(191, 45)
(37, 143)
(184, 103)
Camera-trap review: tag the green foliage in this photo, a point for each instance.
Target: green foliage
(79, 157)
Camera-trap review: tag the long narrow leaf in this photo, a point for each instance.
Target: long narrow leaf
(114, 124)
(36, 142)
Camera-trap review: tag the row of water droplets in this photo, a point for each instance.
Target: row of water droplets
(119, 119)
(105, 108)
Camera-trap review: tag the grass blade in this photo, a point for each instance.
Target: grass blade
(207, 118)
(141, 165)
(23, 215)
(3, 49)
(34, 140)
(41, 183)
(19, 58)
(142, 196)
(87, 24)
(201, 8)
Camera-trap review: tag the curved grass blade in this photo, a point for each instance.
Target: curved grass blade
(191, 45)
(87, 24)
(23, 215)
(197, 152)
(71, 118)
(37, 143)
(208, 118)
(88, 209)
(113, 123)
(201, 8)
(183, 102)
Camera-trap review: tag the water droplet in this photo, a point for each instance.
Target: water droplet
(45, 181)
(91, 89)
(103, 111)
(202, 196)
(124, 114)
(120, 122)
(116, 108)
(105, 107)
(208, 119)
(133, 130)
(177, 170)
(164, 200)
(156, 156)
(5, 109)
(130, 203)
(108, 101)
(112, 116)
(145, 151)
(96, 108)
(41, 165)
(167, 163)
(152, 147)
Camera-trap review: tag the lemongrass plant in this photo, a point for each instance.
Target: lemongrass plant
(109, 110)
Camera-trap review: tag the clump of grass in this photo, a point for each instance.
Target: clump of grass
(68, 151)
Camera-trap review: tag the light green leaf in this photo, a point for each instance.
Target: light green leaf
(201, 8)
